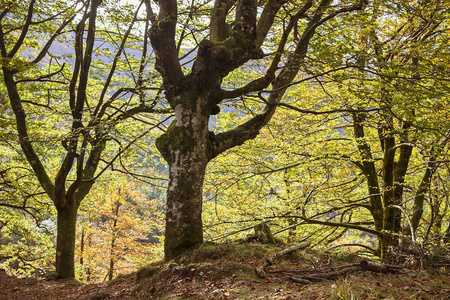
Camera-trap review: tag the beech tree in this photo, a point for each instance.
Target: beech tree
(277, 32)
(401, 53)
(359, 149)
(66, 104)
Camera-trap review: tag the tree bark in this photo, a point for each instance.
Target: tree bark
(369, 170)
(401, 167)
(387, 141)
(82, 244)
(184, 229)
(65, 240)
(185, 146)
(388, 146)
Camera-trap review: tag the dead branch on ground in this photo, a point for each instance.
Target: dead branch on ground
(364, 265)
(261, 270)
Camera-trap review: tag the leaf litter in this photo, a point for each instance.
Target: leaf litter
(227, 271)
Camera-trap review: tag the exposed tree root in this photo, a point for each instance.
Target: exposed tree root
(261, 270)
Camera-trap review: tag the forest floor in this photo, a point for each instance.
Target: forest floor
(227, 271)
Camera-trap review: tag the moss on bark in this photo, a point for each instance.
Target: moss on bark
(176, 138)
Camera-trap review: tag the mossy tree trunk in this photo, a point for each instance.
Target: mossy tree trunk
(185, 146)
(188, 146)
(388, 142)
(367, 166)
(264, 234)
(381, 198)
(401, 167)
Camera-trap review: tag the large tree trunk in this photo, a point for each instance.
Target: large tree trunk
(65, 241)
(185, 146)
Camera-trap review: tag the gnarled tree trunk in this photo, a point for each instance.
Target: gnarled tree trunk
(185, 146)
(188, 146)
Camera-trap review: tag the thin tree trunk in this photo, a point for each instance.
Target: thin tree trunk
(82, 242)
(388, 184)
(111, 260)
(425, 184)
(419, 198)
(367, 166)
(88, 268)
(387, 141)
(446, 238)
(113, 239)
(401, 167)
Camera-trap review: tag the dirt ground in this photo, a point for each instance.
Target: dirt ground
(227, 271)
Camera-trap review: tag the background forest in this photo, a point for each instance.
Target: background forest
(353, 151)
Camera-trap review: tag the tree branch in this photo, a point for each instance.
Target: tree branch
(250, 129)
(22, 131)
(114, 65)
(41, 78)
(267, 18)
(162, 38)
(219, 30)
(66, 166)
(336, 224)
(245, 21)
(47, 46)
(24, 31)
